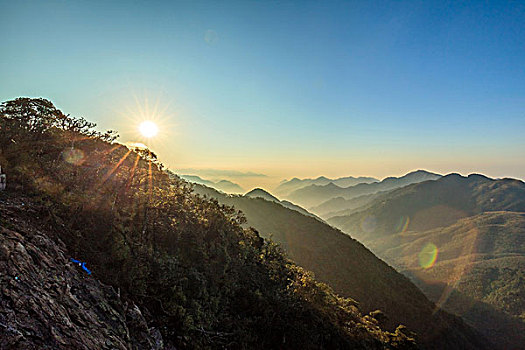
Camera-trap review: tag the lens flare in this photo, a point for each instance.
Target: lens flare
(73, 156)
(428, 255)
(148, 129)
(369, 224)
(403, 223)
(210, 36)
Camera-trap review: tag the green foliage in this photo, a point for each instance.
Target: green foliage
(204, 279)
(351, 269)
(477, 225)
(433, 204)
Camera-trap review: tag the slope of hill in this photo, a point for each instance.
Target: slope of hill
(286, 187)
(299, 209)
(339, 206)
(352, 181)
(222, 185)
(314, 195)
(453, 239)
(351, 270)
(197, 275)
(46, 301)
(197, 180)
(478, 273)
(260, 193)
(228, 186)
(432, 204)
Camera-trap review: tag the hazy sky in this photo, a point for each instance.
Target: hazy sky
(285, 89)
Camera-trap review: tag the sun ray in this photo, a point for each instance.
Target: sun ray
(150, 178)
(144, 108)
(128, 185)
(108, 151)
(90, 158)
(106, 177)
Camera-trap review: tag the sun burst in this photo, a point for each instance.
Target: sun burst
(148, 129)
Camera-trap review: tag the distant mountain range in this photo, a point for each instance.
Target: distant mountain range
(314, 195)
(222, 185)
(288, 186)
(462, 240)
(434, 204)
(351, 269)
(339, 206)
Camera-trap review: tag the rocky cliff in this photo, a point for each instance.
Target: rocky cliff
(48, 302)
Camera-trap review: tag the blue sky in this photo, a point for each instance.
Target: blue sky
(285, 88)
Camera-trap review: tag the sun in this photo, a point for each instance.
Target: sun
(148, 129)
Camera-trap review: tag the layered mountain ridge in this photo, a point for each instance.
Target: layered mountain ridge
(350, 269)
(314, 195)
(225, 186)
(461, 240)
(260, 193)
(288, 186)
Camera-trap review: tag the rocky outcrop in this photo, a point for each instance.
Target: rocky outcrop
(47, 302)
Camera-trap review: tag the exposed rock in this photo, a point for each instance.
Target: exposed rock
(47, 302)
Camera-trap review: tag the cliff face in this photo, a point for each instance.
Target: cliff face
(48, 302)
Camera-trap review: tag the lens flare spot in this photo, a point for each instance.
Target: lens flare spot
(73, 156)
(148, 129)
(210, 36)
(428, 255)
(369, 223)
(403, 223)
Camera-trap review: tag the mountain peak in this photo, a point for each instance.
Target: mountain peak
(453, 176)
(260, 193)
(421, 172)
(479, 177)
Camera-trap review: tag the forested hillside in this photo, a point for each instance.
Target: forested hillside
(479, 272)
(201, 278)
(352, 270)
(432, 204)
(461, 239)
